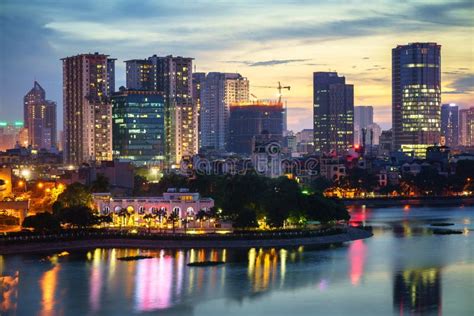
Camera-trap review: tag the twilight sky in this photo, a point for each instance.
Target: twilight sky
(266, 41)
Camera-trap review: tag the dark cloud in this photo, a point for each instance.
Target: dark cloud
(266, 63)
(462, 85)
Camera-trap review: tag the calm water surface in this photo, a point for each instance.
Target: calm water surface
(404, 269)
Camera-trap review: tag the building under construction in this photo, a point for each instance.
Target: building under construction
(250, 120)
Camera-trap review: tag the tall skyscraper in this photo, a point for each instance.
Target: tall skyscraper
(87, 83)
(218, 92)
(171, 76)
(198, 84)
(466, 127)
(138, 124)
(450, 124)
(333, 112)
(249, 120)
(40, 119)
(416, 96)
(363, 115)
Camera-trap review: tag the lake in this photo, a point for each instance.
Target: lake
(403, 269)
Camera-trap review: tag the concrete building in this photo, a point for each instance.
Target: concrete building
(139, 74)
(305, 136)
(385, 143)
(248, 120)
(138, 126)
(333, 110)
(40, 119)
(12, 134)
(87, 83)
(218, 92)
(198, 83)
(450, 124)
(363, 117)
(416, 96)
(466, 127)
(172, 77)
(186, 204)
(267, 157)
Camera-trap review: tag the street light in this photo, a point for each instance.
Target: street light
(25, 173)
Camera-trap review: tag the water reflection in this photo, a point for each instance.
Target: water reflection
(9, 289)
(417, 291)
(48, 283)
(400, 268)
(357, 253)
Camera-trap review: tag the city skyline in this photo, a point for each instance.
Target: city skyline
(288, 47)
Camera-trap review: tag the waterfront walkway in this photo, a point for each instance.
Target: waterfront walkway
(236, 241)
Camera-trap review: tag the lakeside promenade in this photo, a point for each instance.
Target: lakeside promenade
(168, 242)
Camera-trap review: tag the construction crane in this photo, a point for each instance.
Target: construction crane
(279, 88)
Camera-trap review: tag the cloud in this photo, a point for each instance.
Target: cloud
(266, 63)
(462, 85)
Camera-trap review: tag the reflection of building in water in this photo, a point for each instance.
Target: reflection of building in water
(9, 290)
(356, 255)
(48, 285)
(417, 291)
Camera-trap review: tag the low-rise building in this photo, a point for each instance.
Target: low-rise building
(155, 211)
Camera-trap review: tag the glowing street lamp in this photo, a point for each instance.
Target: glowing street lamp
(25, 173)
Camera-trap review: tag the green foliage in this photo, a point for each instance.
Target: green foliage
(360, 179)
(42, 222)
(246, 198)
(75, 194)
(320, 184)
(78, 216)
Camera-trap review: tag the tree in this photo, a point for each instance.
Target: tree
(281, 196)
(78, 216)
(320, 184)
(101, 184)
(359, 179)
(42, 222)
(75, 194)
(123, 215)
(173, 218)
(429, 181)
(201, 216)
(148, 217)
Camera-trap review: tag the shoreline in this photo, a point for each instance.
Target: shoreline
(414, 201)
(58, 246)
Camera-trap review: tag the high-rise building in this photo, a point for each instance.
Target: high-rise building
(12, 134)
(87, 83)
(139, 74)
(416, 96)
(450, 124)
(171, 76)
(40, 119)
(218, 92)
(466, 127)
(249, 120)
(138, 125)
(363, 117)
(333, 112)
(198, 84)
